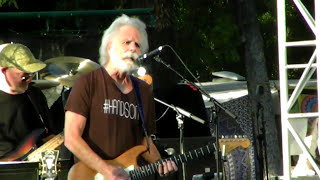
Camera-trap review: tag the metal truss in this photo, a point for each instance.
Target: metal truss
(287, 100)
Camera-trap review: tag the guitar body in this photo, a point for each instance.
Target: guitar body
(128, 160)
(28, 151)
(80, 171)
(26, 147)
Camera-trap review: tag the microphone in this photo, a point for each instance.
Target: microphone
(149, 54)
(189, 115)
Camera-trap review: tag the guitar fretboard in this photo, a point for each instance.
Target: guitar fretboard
(182, 158)
(50, 145)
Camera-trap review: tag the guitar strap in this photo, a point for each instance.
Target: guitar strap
(138, 97)
(37, 110)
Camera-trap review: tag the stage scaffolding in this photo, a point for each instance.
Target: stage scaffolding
(313, 66)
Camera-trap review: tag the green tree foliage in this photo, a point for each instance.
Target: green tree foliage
(267, 18)
(10, 3)
(297, 30)
(206, 32)
(207, 37)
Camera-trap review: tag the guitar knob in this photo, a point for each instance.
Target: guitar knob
(170, 151)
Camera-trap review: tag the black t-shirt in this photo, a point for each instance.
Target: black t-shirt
(19, 118)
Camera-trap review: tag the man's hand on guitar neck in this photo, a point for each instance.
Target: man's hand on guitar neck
(167, 168)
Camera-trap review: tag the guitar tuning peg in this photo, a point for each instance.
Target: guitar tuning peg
(59, 166)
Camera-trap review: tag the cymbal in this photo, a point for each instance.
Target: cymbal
(63, 80)
(66, 69)
(44, 84)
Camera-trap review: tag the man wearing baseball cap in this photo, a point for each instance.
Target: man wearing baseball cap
(23, 108)
(18, 66)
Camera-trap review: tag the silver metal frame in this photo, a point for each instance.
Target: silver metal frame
(309, 69)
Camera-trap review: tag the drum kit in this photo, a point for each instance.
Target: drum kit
(57, 78)
(63, 71)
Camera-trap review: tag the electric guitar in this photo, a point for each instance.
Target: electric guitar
(128, 160)
(48, 165)
(28, 151)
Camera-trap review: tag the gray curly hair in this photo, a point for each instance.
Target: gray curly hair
(112, 31)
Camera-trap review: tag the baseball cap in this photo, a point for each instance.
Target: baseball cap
(20, 56)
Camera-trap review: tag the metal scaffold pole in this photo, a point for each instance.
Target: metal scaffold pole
(309, 68)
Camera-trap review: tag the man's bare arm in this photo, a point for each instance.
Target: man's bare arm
(74, 126)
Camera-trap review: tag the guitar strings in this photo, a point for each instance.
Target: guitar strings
(55, 140)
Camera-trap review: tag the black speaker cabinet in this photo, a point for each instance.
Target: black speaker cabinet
(19, 170)
(30, 170)
(195, 166)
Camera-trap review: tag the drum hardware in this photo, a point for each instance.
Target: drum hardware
(66, 69)
(44, 84)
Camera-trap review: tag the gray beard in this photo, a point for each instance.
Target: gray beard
(132, 69)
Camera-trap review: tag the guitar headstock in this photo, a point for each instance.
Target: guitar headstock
(49, 164)
(147, 78)
(228, 144)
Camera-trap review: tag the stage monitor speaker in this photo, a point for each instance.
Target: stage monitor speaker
(196, 166)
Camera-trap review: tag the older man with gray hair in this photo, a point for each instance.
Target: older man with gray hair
(107, 120)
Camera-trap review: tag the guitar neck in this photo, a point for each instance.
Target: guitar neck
(150, 169)
(50, 145)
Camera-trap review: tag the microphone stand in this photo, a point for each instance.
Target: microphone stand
(180, 119)
(217, 106)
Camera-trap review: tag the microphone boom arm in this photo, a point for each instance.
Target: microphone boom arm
(182, 111)
(211, 99)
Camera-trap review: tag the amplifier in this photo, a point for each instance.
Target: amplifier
(30, 170)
